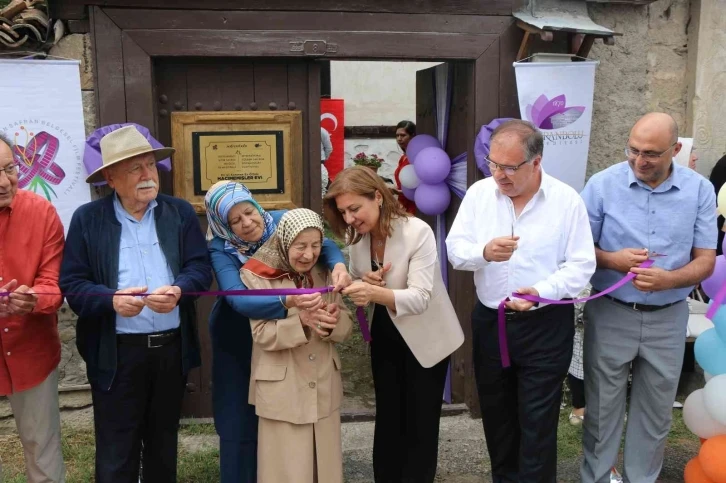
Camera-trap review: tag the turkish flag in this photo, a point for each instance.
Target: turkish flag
(332, 118)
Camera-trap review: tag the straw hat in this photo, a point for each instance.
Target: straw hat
(122, 144)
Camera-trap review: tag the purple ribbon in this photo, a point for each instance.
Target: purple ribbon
(716, 303)
(262, 292)
(501, 319)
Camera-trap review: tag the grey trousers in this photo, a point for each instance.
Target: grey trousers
(654, 342)
(37, 417)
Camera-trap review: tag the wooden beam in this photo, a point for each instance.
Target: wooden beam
(68, 9)
(149, 19)
(108, 66)
(382, 45)
(585, 46)
(139, 82)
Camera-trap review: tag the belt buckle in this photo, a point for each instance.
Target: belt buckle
(149, 346)
(635, 307)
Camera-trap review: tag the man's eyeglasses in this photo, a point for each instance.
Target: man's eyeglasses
(633, 154)
(136, 170)
(11, 170)
(508, 170)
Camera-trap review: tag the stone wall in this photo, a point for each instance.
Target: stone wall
(644, 71)
(707, 81)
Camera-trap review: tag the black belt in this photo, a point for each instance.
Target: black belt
(151, 341)
(521, 315)
(642, 307)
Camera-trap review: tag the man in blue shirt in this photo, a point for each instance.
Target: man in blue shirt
(639, 209)
(138, 350)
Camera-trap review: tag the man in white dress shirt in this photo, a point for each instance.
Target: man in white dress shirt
(522, 230)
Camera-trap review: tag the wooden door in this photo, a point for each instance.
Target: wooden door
(460, 139)
(235, 84)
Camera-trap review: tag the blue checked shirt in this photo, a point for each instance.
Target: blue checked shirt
(672, 219)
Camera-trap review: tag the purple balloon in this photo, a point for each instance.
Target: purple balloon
(92, 159)
(714, 283)
(418, 143)
(433, 165)
(409, 193)
(432, 199)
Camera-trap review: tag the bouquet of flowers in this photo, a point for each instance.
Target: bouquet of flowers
(372, 161)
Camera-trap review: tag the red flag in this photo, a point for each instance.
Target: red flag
(332, 118)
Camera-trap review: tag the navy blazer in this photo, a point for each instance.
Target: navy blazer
(90, 266)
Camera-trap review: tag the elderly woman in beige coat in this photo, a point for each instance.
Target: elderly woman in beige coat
(296, 386)
(414, 326)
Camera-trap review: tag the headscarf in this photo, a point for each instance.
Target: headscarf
(272, 260)
(220, 198)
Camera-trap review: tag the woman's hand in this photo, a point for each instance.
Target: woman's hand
(320, 321)
(361, 293)
(340, 277)
(376, 278)
(311, 301)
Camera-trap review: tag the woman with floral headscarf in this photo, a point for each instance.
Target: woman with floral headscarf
(238, 226)
(296, 385)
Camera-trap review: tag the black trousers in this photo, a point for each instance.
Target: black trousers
(520, 405)
(577, 390)
(143, 406)
(408, 407)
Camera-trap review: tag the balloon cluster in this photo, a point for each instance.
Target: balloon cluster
(704, 411)
(423, 181)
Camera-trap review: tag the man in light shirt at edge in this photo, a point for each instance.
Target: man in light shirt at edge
(524, 231)
(640, 207)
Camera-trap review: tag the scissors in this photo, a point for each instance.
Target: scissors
(655, 254)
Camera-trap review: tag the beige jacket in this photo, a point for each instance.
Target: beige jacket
(295, 373)
(424, 315)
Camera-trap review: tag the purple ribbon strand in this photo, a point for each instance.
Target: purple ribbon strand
(501, 319)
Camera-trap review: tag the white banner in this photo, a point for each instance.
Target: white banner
(42, 114)
(557, 98)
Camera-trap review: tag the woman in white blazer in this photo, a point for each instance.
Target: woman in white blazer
(414, 328)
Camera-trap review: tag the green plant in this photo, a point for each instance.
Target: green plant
(372, 161)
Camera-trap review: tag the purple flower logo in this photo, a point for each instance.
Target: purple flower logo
(36, 162)
(554, 113)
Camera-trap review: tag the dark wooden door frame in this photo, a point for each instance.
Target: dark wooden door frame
(126, 42)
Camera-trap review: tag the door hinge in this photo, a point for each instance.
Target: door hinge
(313, 48)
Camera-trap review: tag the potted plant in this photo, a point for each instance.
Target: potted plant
(370, 161)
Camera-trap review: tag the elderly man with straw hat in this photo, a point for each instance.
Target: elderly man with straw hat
(138, 349)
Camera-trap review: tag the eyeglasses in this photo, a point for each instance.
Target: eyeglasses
(10, 170)
(632, 154)
(509, 170)
(136, 170)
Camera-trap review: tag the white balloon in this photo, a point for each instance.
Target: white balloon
(707, 376)
(697, 418)
(714, 395)
(408, 177)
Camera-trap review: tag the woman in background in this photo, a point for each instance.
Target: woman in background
(238, 227)
(414, 326)
(405, 130)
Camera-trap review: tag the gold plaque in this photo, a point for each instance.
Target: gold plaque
(262, 150)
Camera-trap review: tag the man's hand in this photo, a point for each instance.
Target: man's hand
(627, 258)
(340, 277)
(5, 299)
(126, 305)
(376, 278)
(361, 293)
(22, 300)
(500, 249)
(521, 305)
(652, 279)
(164, 299)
